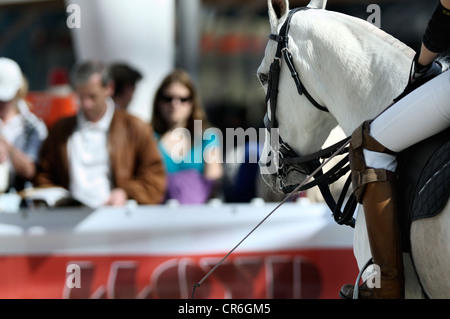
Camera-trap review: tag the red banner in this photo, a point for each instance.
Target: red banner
(161, 252)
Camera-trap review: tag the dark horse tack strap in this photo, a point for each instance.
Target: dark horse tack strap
(308, 163)
(282, 49)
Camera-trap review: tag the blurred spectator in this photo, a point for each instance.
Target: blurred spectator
(194, 170)
(102, 155)
(125, 78)
(21, 132)
(241, 175)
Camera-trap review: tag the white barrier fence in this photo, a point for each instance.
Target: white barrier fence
(162, 251)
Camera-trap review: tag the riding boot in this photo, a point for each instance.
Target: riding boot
(375, 190)
(385, 243)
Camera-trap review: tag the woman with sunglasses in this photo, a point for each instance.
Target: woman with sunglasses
(193, 159)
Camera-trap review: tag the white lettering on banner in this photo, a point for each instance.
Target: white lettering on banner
(103, 243)
(122, 275)
(284, 277)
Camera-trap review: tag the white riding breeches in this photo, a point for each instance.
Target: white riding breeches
(422, 113)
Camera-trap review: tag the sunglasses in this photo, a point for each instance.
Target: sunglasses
(170, 99)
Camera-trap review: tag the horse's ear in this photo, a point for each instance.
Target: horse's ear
(278, 9)
(317, 4)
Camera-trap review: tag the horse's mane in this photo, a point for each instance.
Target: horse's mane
(364, 63)
(324, 27)
(443, 58)
(385, 37)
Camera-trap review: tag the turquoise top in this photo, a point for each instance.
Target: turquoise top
(193, 160)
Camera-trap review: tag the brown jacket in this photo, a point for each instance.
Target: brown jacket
(136, 164)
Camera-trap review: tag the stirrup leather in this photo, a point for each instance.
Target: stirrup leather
(361, 174)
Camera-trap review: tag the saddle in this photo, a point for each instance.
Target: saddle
(423, 173)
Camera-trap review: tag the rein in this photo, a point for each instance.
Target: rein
(289, 161)
(296, 189)
(309, 165)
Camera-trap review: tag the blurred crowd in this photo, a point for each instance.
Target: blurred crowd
(103, 155)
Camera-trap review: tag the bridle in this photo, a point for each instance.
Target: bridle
(288, 160)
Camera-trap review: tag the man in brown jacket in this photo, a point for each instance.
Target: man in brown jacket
(102, 155)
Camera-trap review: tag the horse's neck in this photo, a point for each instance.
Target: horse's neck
(358, 68)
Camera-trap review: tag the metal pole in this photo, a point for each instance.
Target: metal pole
(188, 36)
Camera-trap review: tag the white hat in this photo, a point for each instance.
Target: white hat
(10, 79)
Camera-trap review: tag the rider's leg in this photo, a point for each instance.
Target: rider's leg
(421, 114)
(375, 189)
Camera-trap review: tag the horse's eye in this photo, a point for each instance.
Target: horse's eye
(263, 78)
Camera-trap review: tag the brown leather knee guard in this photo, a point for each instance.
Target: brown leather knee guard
(362, 174)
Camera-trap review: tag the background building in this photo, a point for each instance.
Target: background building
(220, 42)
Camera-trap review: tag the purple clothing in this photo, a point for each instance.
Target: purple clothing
(188, 187)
